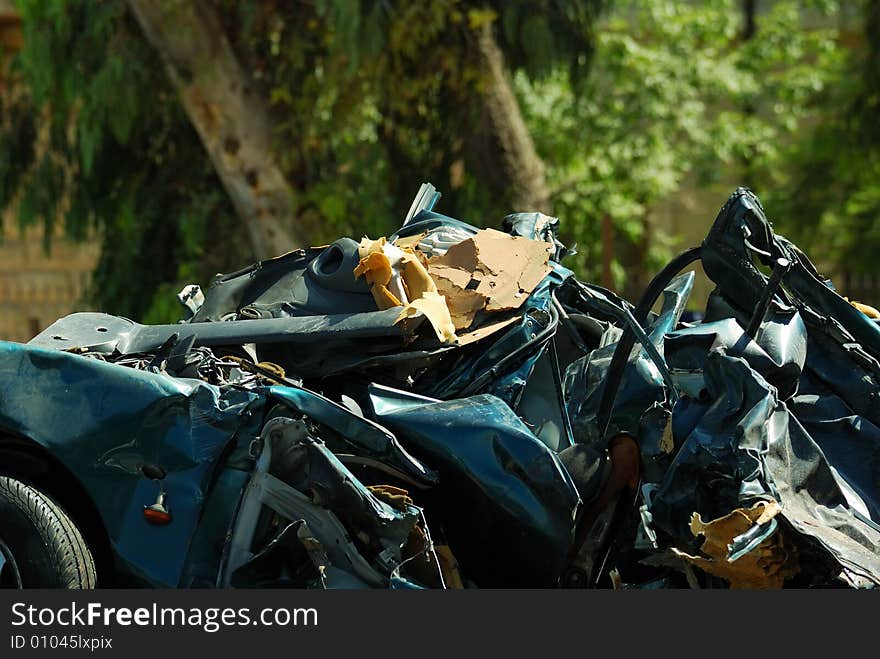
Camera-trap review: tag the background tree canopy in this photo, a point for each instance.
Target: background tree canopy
(190, 137)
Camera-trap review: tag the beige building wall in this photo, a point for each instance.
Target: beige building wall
(36, 287)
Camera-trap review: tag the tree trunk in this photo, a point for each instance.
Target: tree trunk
(232, 119)
(607, 252)
(749, 29)
(514, 155)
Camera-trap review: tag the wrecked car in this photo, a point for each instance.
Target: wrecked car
(451, 407)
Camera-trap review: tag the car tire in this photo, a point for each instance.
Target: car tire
(41, 547)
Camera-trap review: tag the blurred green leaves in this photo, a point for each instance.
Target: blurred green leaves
(829, 195)
(626, 103)
(101, 146)
(674, 91)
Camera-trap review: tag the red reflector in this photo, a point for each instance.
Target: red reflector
(158, 517)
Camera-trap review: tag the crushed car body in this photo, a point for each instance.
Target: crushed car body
(451, 407)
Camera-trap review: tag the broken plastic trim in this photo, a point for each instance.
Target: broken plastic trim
(426, 198)
(264, 489)
(103, 333)
(746, 542)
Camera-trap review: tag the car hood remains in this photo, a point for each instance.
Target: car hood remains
(450, 406)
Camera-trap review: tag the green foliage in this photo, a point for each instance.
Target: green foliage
(398, 84)
(18, 126)
(832, 183)
(115, 159)
(674, 91)
(371, 97)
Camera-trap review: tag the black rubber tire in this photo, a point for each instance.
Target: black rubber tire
(48, 549)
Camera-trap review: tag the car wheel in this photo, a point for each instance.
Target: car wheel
(40, 546)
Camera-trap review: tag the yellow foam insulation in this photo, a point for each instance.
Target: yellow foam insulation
(492, 271)
(667, 441)
(398, 278)
(866, 309)
(767, 566)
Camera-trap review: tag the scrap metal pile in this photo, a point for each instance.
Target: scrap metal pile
(451, 407)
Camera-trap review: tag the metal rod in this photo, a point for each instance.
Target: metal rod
(780, 269)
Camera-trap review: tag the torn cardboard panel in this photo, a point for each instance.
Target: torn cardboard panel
(463, 303)
(490, 271)
(766, 566)
(485, 329)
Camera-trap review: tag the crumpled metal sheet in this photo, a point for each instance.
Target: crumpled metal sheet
(642, 406)
(747, 446)
(786, 416)
(359, 435)
(310, 466)
(509, 505)
(104, 421)
(730, 423)
(778, 353)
